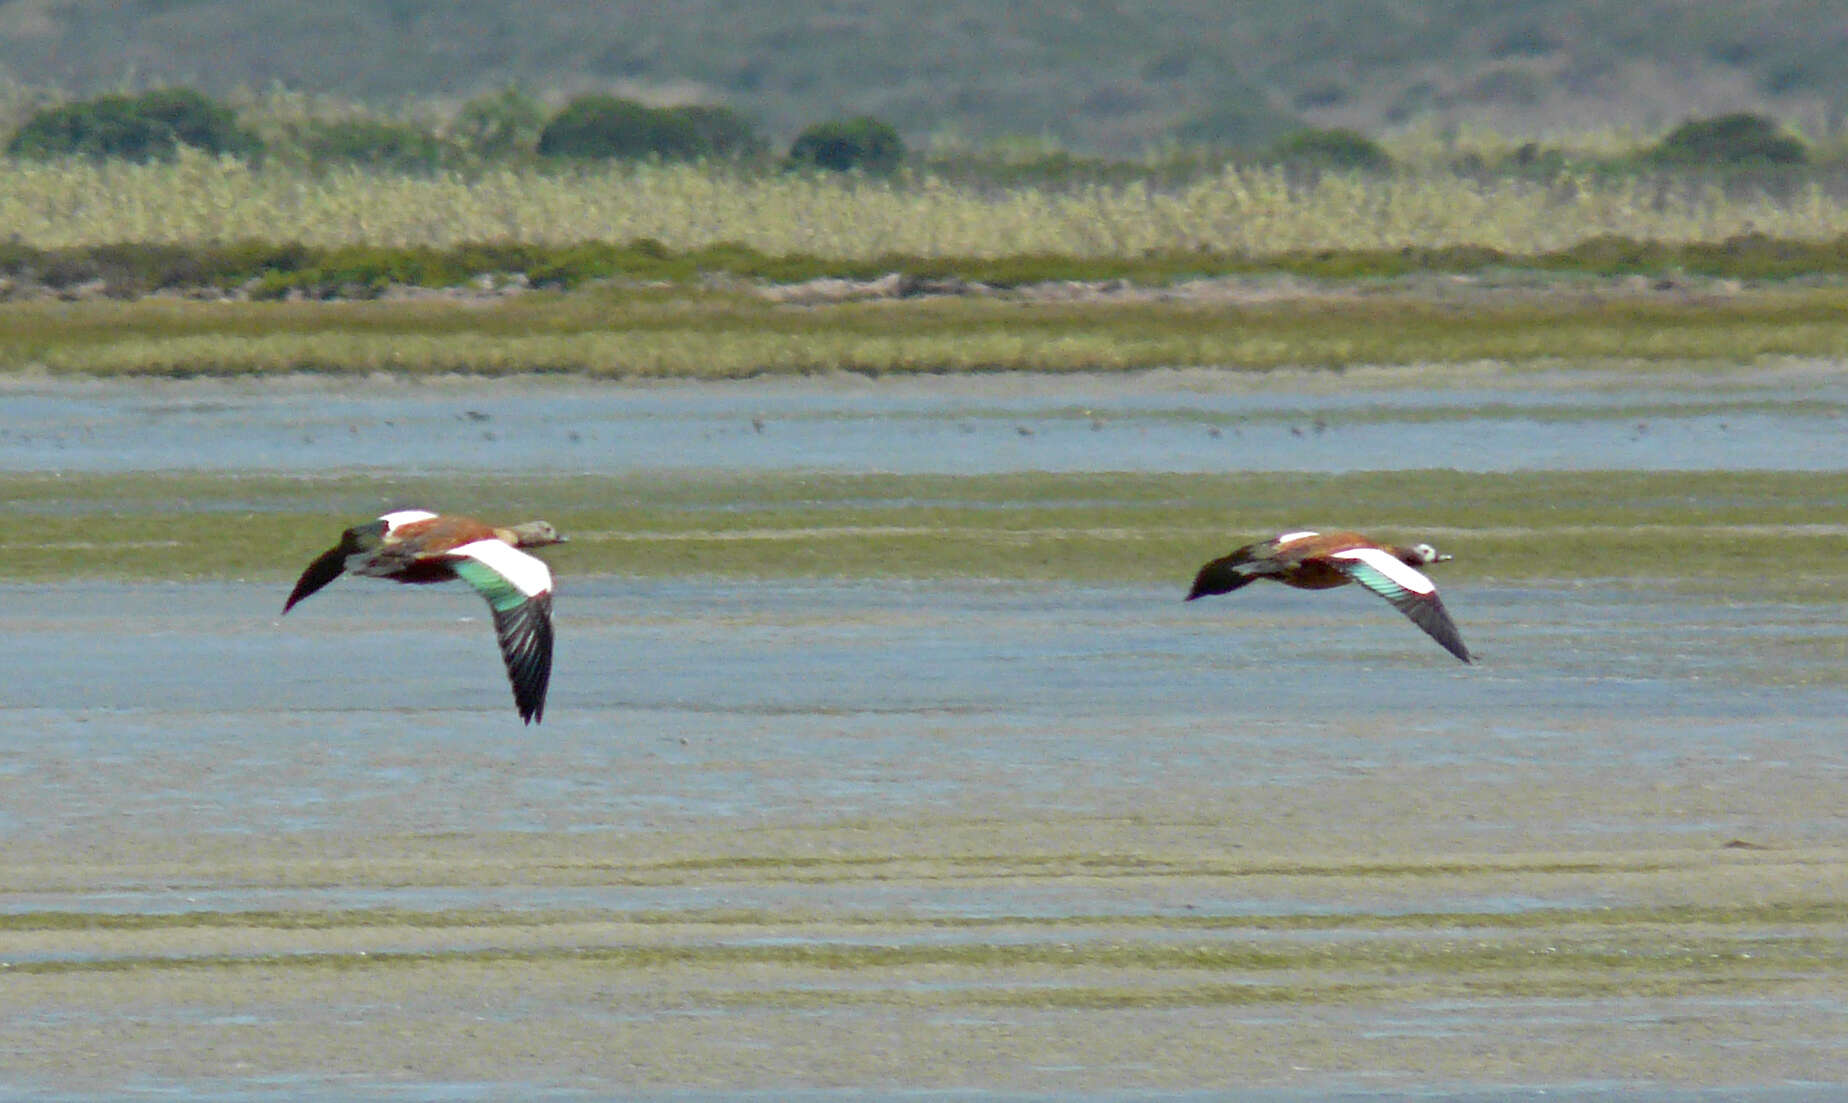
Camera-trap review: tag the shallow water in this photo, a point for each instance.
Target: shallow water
(1793, 420)
(1602, 719)
(316, 1089)
(194, 708)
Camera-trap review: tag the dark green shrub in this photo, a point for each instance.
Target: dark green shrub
(1736, 139)
(375, 143)
(196, 120)
(1331, 149)
(499, 125)
(601, 127)
(147, 127)
(862, 143)
(609, 127)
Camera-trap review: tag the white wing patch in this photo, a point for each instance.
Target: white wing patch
(1293, 537)
(529, 574)
(1389, 565)
(400, 518)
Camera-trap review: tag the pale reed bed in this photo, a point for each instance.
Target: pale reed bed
(1239, 210)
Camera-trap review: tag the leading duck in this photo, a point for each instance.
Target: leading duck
(1323, 560)
(416, 546)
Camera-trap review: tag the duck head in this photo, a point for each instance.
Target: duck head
(532, 534)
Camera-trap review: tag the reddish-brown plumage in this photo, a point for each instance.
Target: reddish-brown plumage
(1324, 560)
(1304, 564)
(416, 546)
(441, 534)
(414, 552)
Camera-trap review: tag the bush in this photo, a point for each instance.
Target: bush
(862, 143)
(609, 127)
(499, 125)
(1333, 149)
(151, 126)
(1736, 139)
(600, 127)
(375, 143)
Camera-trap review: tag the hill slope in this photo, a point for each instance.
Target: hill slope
(1092, 74)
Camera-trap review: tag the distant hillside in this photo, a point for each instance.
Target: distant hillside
(1091, 75)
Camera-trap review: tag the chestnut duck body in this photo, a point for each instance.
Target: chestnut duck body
(417, 546)
(1311, 560)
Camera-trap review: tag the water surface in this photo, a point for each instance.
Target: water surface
(192, 708)
(1179, 421)
(178, 748)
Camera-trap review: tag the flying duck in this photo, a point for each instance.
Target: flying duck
(1322, 560)
(414, 545)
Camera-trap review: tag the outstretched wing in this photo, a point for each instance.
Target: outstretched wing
(518, 587)
(328, 565)
(1407, 588)
(1223, 575)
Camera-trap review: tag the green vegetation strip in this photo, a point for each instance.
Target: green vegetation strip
(699, 334)
(265, 270)
(1655, 528)
(1781, 915)
(1607, 958)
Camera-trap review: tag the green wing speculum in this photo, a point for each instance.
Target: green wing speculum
(1409, 591)
(522, 619)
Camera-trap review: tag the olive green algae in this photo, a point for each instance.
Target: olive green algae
(1395, 928)
(1074, 527)
(1636, 988)
(723, 333)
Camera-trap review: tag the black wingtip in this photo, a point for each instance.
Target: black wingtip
(1221, 576)
(525, 634)
(326, 567)
(1437, 624)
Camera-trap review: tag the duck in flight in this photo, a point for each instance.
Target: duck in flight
(1323, 560)
(413, 545)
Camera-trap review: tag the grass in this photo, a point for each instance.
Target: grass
(263, 269)
(1093, 528)
(1242, 209)
(689, 333)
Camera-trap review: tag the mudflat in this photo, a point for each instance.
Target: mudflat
(879, 837)
(884, 760)
(875, 957)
